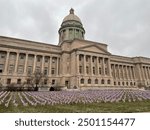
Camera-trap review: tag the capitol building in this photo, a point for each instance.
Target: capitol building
(74, 62)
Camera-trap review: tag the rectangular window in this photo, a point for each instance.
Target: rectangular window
(45, 71)
(46, 59)
(1, 68)
(80, 69)
(12, 56)
(87, 58)
(21, 57)
(53, 71)
(38, 69)
(45, 81)
(2, 55)
(53, 81)
(11, 69)
(38, 59)
(29, 70)
(87, 69)
(8, 81)
(18, 81)
(93, 70)
(20, 69)
(100, 71)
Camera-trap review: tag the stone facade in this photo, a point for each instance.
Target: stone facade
(73, 62)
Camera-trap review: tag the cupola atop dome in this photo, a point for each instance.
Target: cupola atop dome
(71, 28)
(72, 17)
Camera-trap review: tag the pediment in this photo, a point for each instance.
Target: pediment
(93, 48)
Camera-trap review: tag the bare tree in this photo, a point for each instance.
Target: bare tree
(36, 79)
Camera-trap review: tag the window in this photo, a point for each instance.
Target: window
(99, 59)
(89, 81)
(45, 81)
(82, 81)
(103, 81)
(87, 58)
(8, 81)
(100, 71)
(93, 59)
(106, 72)
(122, 83)
(114, 83)
(87, 69)
(20, 69)
(29, 70)
(53, 71)
(80, 57)
(80, 69)
(11, 69)
(38, 59)
(46, 59)
(108, 81)
(96, 81)
(45, 71)
(12, 56)
(28, 81)
(38, 69)
(1, 68)
(53, 81)
(53, 60)
(18, 81)
(118, 83)
(94, 70)
(2, 56)
(22, 57)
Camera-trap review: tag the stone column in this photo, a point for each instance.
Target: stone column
(77, 63)
(50, 64)
(57, 67)
(133, 69)
(43, 60)
(97, 64)
(91, 65)
(122, 71)
(6, 62)
(84, 62)
(146, 71)
(26, 64)
(16, 63)
(103, 66)
(127, 76)
(34, 63)
(142, 70)
(114, 67)
(109, 68)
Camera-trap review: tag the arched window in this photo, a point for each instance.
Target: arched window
(103, 81)
(96, 81)
(122, 83)
(89, 81)
(118, 83)
(108, 81)
(82, 81)
(131, 83)
(127, 83)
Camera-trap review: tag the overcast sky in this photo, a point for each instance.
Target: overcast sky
(122, 24)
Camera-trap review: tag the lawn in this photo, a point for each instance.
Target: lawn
(138, 106)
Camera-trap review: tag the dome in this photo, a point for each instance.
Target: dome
(72, 17)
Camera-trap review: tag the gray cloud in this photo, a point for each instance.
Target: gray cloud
(123, 25)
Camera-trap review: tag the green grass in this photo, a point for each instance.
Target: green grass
(138, 106)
